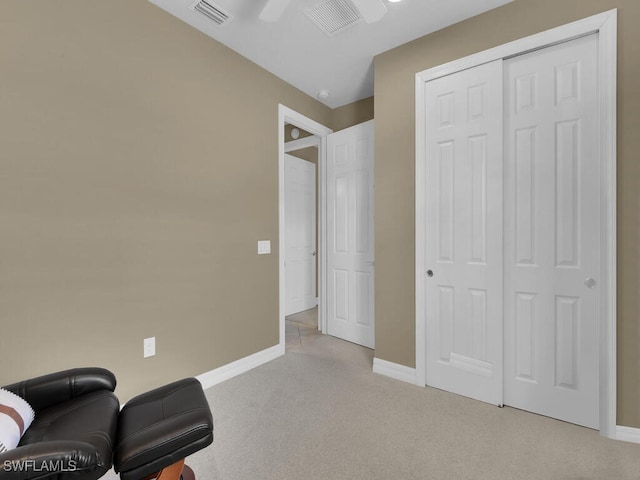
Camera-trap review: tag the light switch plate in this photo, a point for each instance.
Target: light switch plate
(264, 247)
(149, 347)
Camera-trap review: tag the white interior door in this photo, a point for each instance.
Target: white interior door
(300, 232)
(464, 297)
(350, 308)
(552, 232)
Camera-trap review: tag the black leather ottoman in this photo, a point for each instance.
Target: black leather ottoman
(160, 428)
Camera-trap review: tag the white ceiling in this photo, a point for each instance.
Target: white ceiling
(298, 52)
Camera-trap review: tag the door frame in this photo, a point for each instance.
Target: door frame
(287, 115)
(605, 24)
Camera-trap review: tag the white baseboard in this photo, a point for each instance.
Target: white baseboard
(628, 434)
(394, 370)
(233, 369)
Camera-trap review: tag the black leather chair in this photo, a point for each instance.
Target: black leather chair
(79, 429)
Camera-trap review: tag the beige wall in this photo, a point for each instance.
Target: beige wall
(352, 114)
(131, 196)
(394, 198)
(310, 154)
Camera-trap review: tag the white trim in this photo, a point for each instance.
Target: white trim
(605, 24)
(607, 58)
(286, 115)
(421, 233)
(572, 30)
(627, 434)
(305, 142)
(322, 234)
(394, 370)
(233, 369)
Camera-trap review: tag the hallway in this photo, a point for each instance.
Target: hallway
(300, 327)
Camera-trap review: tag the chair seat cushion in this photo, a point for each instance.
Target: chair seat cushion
(160, 427)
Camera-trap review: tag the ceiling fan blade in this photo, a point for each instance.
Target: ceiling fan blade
(273, 10)
(371, 10)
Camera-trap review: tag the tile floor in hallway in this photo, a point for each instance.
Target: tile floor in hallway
(301, 326)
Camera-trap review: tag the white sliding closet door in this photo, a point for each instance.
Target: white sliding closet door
(464, 253)
(552, 232)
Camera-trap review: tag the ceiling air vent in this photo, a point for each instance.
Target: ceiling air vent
(333, 16)
(212, 12)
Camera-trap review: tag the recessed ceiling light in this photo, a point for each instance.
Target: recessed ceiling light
(394, 1)
(322, 94)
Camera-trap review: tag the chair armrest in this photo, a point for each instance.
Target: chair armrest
(54, 388)
(47, 459)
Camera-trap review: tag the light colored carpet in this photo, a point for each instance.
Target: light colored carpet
(320, 413)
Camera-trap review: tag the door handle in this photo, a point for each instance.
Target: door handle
(590, 282)
(429, 273)
(313, 253)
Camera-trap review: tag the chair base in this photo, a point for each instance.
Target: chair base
(187, 473)
(177, 471)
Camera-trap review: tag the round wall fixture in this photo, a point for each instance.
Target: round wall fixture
(322, 94)
(295, 133)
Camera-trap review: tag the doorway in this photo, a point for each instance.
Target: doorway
(300, 230)
(301, 202)
(344, 226)
(313, 137)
